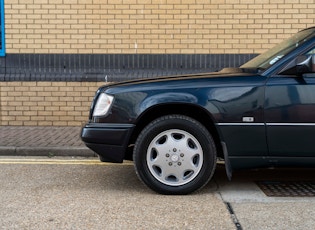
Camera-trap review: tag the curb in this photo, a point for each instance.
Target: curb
(46, 151)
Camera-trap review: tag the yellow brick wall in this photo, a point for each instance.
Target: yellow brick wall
(152, 26)
(130, 27)
(46, 103)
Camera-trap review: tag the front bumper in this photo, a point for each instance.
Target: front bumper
(109, 141)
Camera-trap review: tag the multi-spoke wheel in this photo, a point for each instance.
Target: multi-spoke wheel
(175, 155)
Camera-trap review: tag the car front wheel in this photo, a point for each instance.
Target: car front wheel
(175, 154)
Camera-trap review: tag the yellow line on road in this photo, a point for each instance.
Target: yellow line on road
(59, 162)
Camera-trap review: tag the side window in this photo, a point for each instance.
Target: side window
(2, 31)
(311, 52)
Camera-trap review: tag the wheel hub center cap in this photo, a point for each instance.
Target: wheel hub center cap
(174, 158)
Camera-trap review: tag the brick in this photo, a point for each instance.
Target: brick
(45, 123)
(16, 123)
(30, 123)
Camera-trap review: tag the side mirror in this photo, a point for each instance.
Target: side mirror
(300, 65)
(304, 65)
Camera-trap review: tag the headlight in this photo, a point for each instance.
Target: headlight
(102, 105)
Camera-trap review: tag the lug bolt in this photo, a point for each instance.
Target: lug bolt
(167, 155)
(179, 164)
(182, 155)
(170, 163)
(174, 149)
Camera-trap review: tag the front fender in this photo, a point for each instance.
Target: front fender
(169, 98)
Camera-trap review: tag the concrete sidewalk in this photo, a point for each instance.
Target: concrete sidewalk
(42, 141)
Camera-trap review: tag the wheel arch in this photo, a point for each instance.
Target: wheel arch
(191, 110)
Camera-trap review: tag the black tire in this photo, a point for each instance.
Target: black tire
(175, 155)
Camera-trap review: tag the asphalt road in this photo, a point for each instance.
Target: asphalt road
(72, 193)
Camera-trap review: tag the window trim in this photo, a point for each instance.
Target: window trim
(2, 50)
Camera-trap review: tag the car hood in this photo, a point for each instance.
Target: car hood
(230, 75)
(227, 73)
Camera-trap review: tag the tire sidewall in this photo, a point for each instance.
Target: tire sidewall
(182, 123)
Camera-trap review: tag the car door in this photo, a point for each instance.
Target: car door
(290, 114)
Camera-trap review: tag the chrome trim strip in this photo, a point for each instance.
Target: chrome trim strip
(268, 124)
(241, 124)
(290, 124)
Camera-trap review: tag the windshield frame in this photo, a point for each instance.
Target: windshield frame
(273, 55)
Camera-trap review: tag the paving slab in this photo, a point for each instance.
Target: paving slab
(57, 196)
(253, 209)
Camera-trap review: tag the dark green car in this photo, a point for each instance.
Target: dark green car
(175, 128)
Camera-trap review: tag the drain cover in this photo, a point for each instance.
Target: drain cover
(287, 188)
